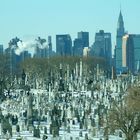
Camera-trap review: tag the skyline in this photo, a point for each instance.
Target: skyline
(27, 19)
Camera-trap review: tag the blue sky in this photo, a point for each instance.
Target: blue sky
(27, 18)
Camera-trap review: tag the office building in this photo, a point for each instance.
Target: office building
(80, 42)
(63, 45)
(102, 46)
(131, 52)
(84, 36)
(78, 47)
(25, 55)
(1, 49)
(118, 48)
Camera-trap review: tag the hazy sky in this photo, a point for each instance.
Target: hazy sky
(27, 18)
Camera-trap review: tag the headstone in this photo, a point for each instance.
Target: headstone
(68, 129)
(0, 130)
(80, 134)
(14, 129)
(120, 134)
(73, 122)
(7, 135)
(81, 125)
(36, 132)
(85, 123)
(106, 133)
(50, 128)
(30, 129)
(45, 130)
(77, 138)
(86, 136)
(60, 137)
(17, 128)
(93, 131)
(45, 137)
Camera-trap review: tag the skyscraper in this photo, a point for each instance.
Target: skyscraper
(50, 51)
(124, 50)
(120, 26)
(80, 42)
(136, 42)
(84, 36)
(78, 47)
(127, 53)
(131, 52)
(102, 46)
(63, 45)
(50, 44)
(118, 49)
(1, 49)
(24, 55)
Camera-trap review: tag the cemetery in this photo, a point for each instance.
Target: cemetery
(73, 106)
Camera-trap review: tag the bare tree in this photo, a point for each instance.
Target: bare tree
(126, 116)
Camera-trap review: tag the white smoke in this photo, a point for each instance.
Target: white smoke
(29, 46)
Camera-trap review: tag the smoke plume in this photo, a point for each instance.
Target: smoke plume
(22, 46)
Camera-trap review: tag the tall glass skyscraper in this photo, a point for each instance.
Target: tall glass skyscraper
(80, 42)
(102, 46)
(84, 36)
(134, 43)
(127, 51)
(131, 52)
(63, 45)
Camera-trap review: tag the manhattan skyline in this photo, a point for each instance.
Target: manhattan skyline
(28, 19)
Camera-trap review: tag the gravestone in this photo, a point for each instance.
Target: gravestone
(93, 132)
(81, 125)
(14, 129)
(45, 130)
(68, 129)
(80, 134)
(36, 132)
(86, 136)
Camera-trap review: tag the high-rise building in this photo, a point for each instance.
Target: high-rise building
(102, 46)
(80, 42)
(78, 47)
(63, 45)
(50, 50)
(14, 59)
(127, 51)
(50, 43)
(118, 49)
(131, 52)
(136, 43)
(24, 55)
(84, 36)
(1, 49)
(124, 50)
(41, 52)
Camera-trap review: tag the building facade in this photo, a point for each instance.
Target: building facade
(127, 51)
(131, 53)
(102, 46)
(84, 36)
(80, 43)
(78, 47)
(118, 49)
(1, 49)
(63, 45)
